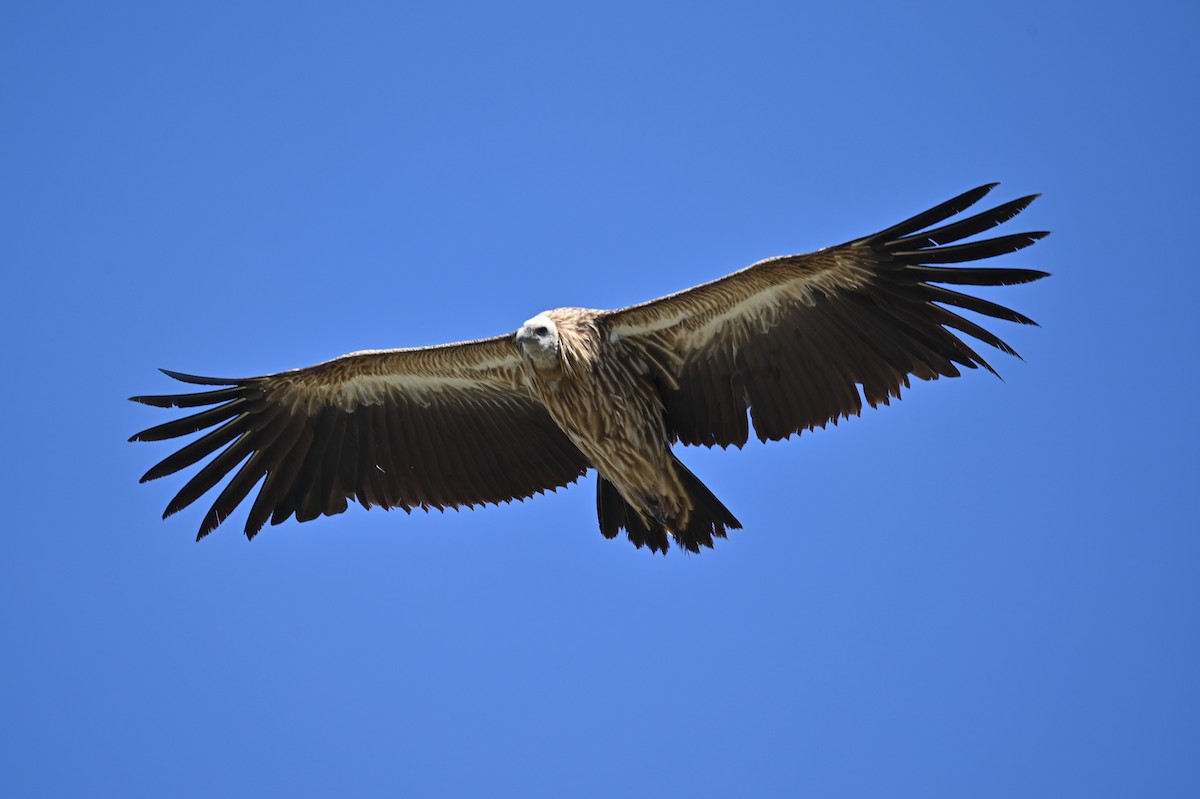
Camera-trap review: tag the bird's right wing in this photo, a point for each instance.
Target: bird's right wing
(431, 427)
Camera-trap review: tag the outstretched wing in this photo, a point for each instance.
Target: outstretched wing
(792, 338)
(433, 427)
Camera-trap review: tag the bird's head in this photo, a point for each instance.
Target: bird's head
(538, 339)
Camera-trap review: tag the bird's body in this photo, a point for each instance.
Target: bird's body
(791, 340)
(628, 445)
(601, 393)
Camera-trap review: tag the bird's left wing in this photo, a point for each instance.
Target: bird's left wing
(429, 427)
(793, 338)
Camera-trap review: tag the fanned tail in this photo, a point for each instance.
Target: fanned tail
(709, 518)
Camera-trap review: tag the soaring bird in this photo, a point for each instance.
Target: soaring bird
(797, 340)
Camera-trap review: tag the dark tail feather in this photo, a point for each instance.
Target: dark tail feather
(709, 518)
(616, 514)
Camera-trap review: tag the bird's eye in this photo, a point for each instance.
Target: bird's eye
(541, 330)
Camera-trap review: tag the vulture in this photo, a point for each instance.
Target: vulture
(785, 345)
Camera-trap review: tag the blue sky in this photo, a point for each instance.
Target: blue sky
(987, 589)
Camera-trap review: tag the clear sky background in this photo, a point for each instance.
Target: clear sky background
(988, 589)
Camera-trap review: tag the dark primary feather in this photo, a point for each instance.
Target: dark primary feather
(939, 213)
(963, 228)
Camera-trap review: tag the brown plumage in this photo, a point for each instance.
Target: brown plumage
(790, 339)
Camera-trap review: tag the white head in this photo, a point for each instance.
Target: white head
(538, 339)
